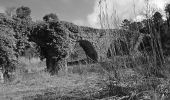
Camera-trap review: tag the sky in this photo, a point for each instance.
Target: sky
(86, 12)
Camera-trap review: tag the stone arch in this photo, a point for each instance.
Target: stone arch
(83, 53)
(89, 50)
(118, 48)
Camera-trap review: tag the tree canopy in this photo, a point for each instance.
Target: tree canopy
(23, 12)
(7, 44)
(50, 17)
(13, 37)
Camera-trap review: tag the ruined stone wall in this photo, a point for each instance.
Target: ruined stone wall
(100, 38)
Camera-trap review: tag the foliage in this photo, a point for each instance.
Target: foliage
(52, 39)
(50, 17)
(23, 12)
(155, 26)
(125, 24)
(157, 16)
(132, 26)
(71, 27)
(13, 37)
(7, 48)
(22, 27)
(167, 8)
(155, 46)
(50, 35)
(6, 20)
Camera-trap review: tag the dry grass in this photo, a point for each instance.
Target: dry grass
(105, 80)
(31, 80)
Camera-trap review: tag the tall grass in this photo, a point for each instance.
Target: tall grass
(131, 76)
(145, 64)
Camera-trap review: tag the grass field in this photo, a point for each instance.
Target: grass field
(82, 82)
(31, 79)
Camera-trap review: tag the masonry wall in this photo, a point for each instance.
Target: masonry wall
(100, 38)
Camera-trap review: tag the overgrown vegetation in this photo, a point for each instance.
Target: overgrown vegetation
(52, 38)
(7, 48)
(137, 67)
(151, 61)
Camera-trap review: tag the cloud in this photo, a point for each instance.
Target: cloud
(159, 3)
(113, 11)
(92, 18)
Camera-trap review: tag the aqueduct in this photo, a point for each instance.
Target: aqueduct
(97, 44)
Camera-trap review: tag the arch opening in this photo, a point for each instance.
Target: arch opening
(84, 52)
(89, 50)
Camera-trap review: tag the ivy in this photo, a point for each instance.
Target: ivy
(50, 35)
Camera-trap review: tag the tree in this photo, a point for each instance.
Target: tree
(154, 29)
(132, 26)
(7, 46)
(157, 16)
(51, 37)
(125, 24)
(167, 10)
(22, 27)
(50, 17)
(157, 20)
(14, 37)
(135, 26)
(23, 12)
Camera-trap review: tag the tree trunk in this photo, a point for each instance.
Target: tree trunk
(53, 65)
